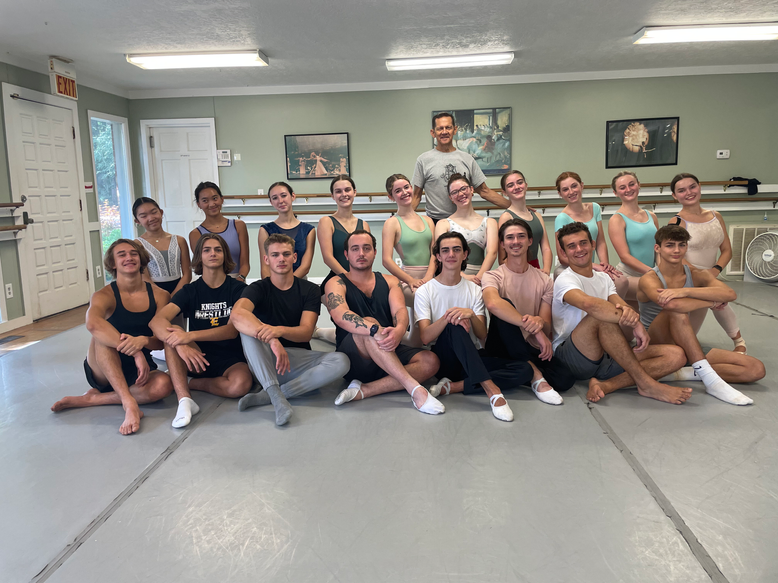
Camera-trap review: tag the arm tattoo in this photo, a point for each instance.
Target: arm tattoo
(333, 301)
(355, 319)
(394, 319)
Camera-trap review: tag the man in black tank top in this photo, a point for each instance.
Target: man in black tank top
(210, 352)
(369, 310)
(118, 365)
(666, 289)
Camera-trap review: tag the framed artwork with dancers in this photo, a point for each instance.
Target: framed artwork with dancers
(311, 156)
(641, 142)
(485, 134)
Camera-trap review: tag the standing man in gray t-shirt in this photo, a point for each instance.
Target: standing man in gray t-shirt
(435, 167)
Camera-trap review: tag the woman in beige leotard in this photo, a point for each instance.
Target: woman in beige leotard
(477, 230)
(709, 241)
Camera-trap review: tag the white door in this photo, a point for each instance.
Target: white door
(42, 155)
(182, 158)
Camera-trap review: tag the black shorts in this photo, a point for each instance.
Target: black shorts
(129, 370)
(218, 367)
(366, 370)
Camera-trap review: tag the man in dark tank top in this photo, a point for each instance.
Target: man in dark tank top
(118, 366)
(369, 310)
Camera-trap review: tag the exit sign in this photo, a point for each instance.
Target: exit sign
(64, 86)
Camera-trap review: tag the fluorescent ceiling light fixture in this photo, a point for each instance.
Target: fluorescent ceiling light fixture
(199, 60)
(484, 60)
(706, 33)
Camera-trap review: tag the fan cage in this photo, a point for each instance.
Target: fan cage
(762, 257)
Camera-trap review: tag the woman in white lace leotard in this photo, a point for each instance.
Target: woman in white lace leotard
(169, 267)
(480, 232)
(709, 248)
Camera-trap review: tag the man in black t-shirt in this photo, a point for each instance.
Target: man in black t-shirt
(275, 318)
(369, 310)
(210, 352)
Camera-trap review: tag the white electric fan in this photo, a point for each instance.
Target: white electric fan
(762, 259)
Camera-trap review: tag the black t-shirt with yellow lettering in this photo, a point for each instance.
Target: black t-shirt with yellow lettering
(207, 308)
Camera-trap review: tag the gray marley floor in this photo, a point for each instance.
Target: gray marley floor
(629, 490)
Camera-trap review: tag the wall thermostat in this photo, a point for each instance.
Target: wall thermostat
(223, 158)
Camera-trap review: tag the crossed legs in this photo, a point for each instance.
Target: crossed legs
(594, 338)
(106, 366)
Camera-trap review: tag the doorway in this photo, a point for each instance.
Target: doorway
(46, 175)
(113, 177)
(178, 154)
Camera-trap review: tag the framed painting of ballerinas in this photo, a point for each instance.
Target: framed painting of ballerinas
(485, 134)
(641, 142)
(311, 156)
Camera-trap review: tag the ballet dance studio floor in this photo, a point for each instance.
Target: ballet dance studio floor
(629, 490)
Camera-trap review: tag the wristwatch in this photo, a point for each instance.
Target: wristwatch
(241, 277)
(719, 267)
(373, 330)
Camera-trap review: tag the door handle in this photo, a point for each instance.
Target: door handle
(26, 218)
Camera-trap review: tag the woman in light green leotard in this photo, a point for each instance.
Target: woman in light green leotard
(410, 234)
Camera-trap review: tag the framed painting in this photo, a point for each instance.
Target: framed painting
(633, 143)
(311, 156)
(485, 134)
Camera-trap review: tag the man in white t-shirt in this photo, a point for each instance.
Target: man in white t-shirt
(450, 312)
(518, 297)
(436, 166)
(587, 313)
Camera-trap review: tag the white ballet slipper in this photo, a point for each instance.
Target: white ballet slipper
(502, 413)
(550, 397)
(443, 386)
(350, 393)
(431, 406)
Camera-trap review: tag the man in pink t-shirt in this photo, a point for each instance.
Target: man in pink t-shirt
(518, 297)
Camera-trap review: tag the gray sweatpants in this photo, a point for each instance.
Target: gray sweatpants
(310, 369)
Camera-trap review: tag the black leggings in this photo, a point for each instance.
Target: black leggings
(460, 360)
(505, 340)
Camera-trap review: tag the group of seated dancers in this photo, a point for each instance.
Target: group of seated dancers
(633, 324)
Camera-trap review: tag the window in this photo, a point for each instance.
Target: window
(113, 181)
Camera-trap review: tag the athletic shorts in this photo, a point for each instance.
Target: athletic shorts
(218, 368)
(129, 370)
(584, 369)
(366, 370)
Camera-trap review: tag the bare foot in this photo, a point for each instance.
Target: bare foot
(666, 393)
(132, 419)
(595, 392)
(72, 402)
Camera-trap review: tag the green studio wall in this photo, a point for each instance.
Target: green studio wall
(89, 99)
(556, 127)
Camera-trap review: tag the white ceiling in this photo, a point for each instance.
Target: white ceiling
(342, 44)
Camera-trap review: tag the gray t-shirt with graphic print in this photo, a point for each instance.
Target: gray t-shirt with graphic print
(434, 168)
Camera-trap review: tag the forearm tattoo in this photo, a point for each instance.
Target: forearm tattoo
(333, 301)
(355, 319)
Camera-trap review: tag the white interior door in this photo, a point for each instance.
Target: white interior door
(181, 158)
(42, 157)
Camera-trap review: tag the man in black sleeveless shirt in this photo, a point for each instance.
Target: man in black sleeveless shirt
(369, 310)
(118, 365)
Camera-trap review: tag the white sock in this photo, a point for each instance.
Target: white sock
(686, 373)
(186, 408)
(715, 385)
